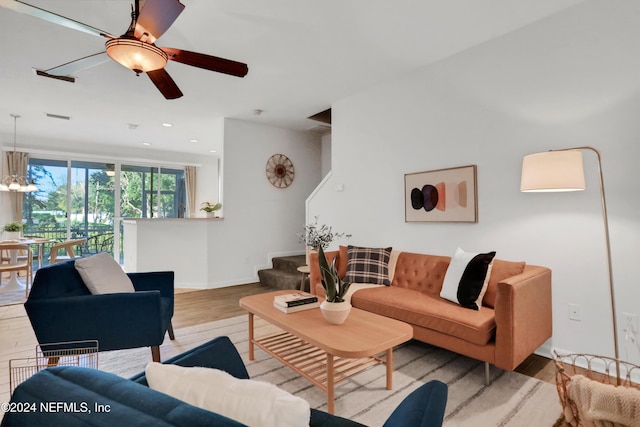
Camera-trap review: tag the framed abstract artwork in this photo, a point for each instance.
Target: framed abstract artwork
(444, 195)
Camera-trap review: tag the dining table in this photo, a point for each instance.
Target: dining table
(13, 284)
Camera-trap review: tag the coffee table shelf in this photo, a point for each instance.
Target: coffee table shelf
(310, 361)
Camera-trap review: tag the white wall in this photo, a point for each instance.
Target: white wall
(209, 177)
(551, 85)
(326, 154)
(178, 245)
(260, 221)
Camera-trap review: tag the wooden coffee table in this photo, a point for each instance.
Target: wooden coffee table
(323, 353)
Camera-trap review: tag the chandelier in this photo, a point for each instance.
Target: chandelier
(16, 182)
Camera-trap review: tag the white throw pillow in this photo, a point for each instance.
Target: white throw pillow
(103, 275)
(254, 403)
(467, 278)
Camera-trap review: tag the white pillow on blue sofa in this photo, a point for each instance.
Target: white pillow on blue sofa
(251, 402)
(467, 278)
(103, 275)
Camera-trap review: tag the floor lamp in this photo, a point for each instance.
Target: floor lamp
(562, 170)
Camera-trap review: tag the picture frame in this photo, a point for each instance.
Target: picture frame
(443, 195)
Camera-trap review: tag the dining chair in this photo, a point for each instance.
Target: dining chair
(68, 246)
(14, 263)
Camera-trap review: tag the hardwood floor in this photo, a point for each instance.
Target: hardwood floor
(192, 307)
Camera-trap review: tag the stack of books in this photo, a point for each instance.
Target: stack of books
(295, 301)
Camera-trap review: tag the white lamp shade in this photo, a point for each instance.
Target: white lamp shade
(553, 171)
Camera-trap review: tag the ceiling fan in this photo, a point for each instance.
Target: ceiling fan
(136, 48)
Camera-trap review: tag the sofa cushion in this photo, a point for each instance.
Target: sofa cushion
(420, 272)
(501, 270)
(467, 277)
(251, 402)
(103, 275)
(368, 265)
(427, 311)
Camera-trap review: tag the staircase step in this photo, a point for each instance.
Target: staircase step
(279, 279)
(289, 264)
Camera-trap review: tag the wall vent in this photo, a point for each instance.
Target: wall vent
(42, 73)
(58, 116)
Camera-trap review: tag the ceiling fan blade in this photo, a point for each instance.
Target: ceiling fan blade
(156, 17)
(207, 62)
(79, 64)
(22, 7)
(165, 83)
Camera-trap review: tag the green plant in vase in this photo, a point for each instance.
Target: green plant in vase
(335, 288)
(334, 309)
(12, 230)
(210, 208)
(316, 236)
(13, 227)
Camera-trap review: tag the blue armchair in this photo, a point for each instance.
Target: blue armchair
(62, 309)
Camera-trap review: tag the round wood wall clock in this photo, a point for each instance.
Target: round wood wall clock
(280, 171)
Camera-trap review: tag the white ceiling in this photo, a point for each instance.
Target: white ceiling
(302, 57)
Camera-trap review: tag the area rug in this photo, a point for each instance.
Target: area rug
(511, 399)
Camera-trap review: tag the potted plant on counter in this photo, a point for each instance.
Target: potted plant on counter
(334, 309)
(210, 208)
(12, 230)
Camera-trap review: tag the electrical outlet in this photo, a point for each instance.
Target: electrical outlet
(630, 322)
(575, 312)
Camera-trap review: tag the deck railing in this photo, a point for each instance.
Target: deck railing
(99, 238)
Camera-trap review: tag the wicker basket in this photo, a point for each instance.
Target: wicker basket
(77, 353)
(568, 365)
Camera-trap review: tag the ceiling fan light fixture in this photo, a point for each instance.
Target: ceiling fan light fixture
(138, 56)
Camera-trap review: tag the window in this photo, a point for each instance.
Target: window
(78, 199)
(150, 192)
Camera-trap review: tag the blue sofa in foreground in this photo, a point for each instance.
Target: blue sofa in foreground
(131, 403)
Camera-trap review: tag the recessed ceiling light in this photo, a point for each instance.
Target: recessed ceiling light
(212, 151)
(146, 143)
(167, 125)
(193, 140)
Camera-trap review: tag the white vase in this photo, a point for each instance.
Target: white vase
(310, 251)
(210, 214)
(335, 312)
(12, 235)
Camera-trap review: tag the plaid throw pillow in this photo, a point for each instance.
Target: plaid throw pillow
(368, 265)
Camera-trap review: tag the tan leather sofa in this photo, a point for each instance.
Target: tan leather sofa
(513, 322)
